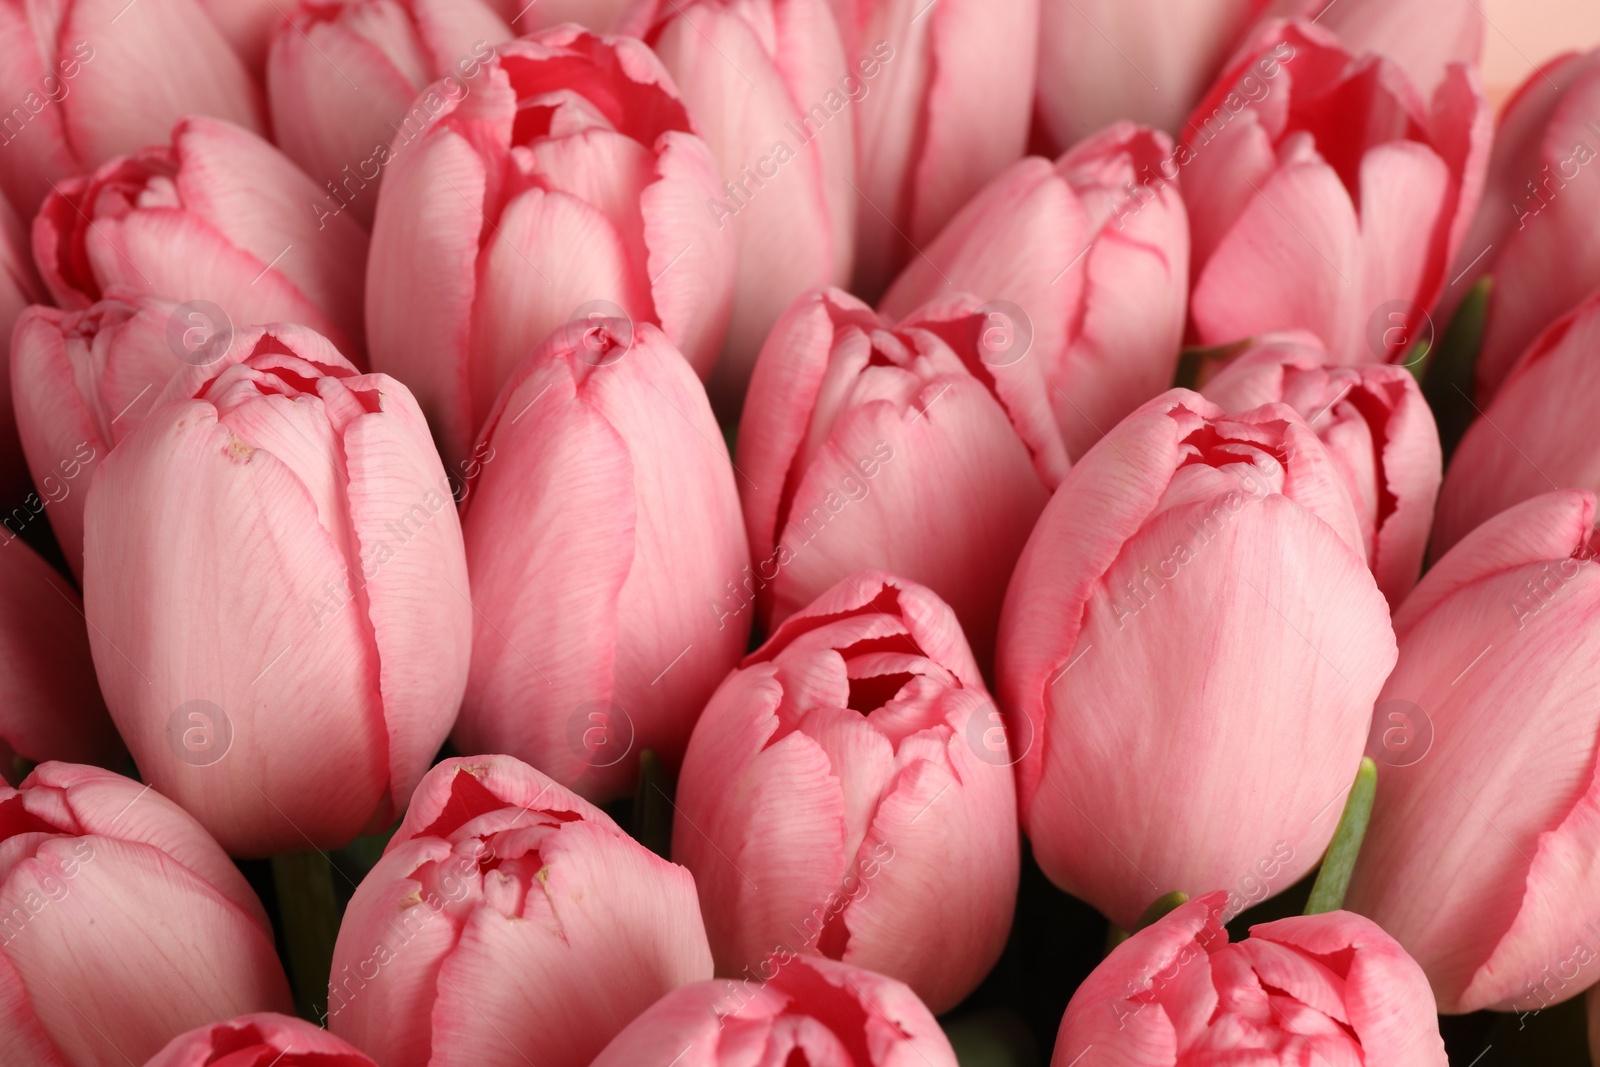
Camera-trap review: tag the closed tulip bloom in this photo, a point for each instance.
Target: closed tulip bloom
(853, 425)
(277, 594)
(122, 924)
(1093, 250)
(19, 287)
(1480, 855)
(1542, 192)
(52, 709)
(1378, 431)
(1312, 989)
(1194, 606)
(942, 105)
(1536, 433)
(601, 524)
(79, 90)
(219, 215)
(1424, 37)
(568, 185)
(84, 380)
(1145, 60)
(508, 922)
(262, 1040)
(765, 82)
(1326, 195)
(342, 77)
(801, 805)
(809, 1010)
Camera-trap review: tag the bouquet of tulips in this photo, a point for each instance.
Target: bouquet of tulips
(799, 533)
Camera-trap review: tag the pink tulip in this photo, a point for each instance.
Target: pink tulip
(1194, 607)
(1423, 37)
(1481, 855)
(768, 87)
(801, 805)
(342, 78)
(121, 923)
(263, 1040)
(1096, 261)
(600, 527)
(1536, 434)
(277, 595)
(84, 380)
(52, 708)
(85, 80)
(218, 216)
(1325, 195)
(1312, 989)
(19, 287)
(509, 921)
(1539, 202)
(912, 449)
(808, 1010)
(946, 112)
(568, 186)
(1144, 60)
(248, 25)
(1377, 428)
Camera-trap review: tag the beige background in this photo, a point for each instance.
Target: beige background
(1519, 35)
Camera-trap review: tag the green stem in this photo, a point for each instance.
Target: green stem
(652, 814)
(310, 918)
(1327, 894)
(1449, 379)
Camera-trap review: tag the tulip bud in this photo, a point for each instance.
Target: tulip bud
(84, 380)
(598, 15)
(19, 287)
(339, 127)
(248, 26)
(1337, 218)
(601, 524)
(854, 428)
(274, 578)
(53, 709)
(1539, 201)
(508, 920)
(1315, 989)
(808, 1010)
(1377, 429)
(267, 1038)
(943, 99)
(1478, 857)
(1101, 61)
(766, 84)
(1092, 255)
(86, 80)
(122, 924)
(1194, 606)
(567, 187)
(219, 216)
(1537, 432)
(847, 769)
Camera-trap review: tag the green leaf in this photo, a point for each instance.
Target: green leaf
(1340, 861)
(310, 919)
(1447, 381)
(1159, 909)
(652, 807)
